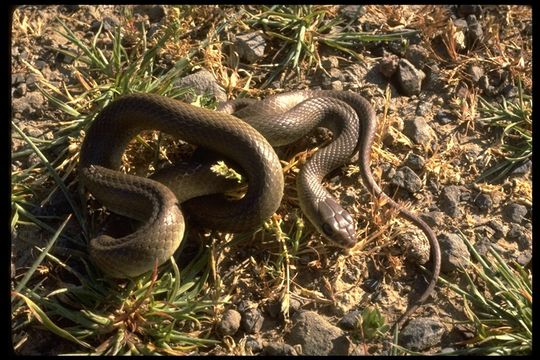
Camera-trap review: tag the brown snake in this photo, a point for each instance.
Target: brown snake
(281, 119)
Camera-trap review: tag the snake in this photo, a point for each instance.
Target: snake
(245, 132)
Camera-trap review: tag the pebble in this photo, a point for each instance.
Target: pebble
(433, 218)
(405, 178)
(454, 252)
(416, 248)
(474, 32)
(250, 47)
(154, 12)
(409, 79)
(388, 65)
(476, 72)
(350, 320)
(202, 82)
(278, 349)
(521, 235)
(444, 117)
(252, 320)
(230, 323)
(417, 55)
(421, 334)
(484, 202)
(415, 162)
(418, 130)
(514, 213)
(449, 200)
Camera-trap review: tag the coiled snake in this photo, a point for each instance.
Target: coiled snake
(279, 120)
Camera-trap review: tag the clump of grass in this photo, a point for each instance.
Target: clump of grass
(515, 123)
(302, 29)
(499, 312)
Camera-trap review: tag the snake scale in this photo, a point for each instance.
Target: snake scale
(244, 132)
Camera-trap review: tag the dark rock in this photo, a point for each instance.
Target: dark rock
(350, 320)
(418, 131)
(433, 218)
(250, 47)
(409, 79)
(417, 55)
(523, 168)
(415, 162)
(416, 248)
(202, 82)
(253, 344)
(460, 24)
(278, 349)
(352, 11)
(521, 235)
(423, 108)
(20, 90)
(317, 336)
(109, 24)
(484, 202)
(482, 246)
(444, 117)
(466, 10)
(388, 65)
(510, 91)
(154, 12)
(449, 200)
(474, 33)
(514, 213)
(28, 105)
(230, 323)
(524, 257)
(421, 334)
(70, 8)
(454, 252)
(40, 64)
(476, 72)
(330, 62)
(17, 79)
(252, 320)
(407, 179)
(498, 227)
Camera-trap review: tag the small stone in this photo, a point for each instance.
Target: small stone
(317, 336)
(202, 83)
(230, 323)
(278, 349)
(433, 218)
(253, 344)
(522, 169)
(476, 72)
(415, 162)
(423, 108)
(454, 252)
(350, 320)
(421, 334)
(40, 64)
(417, 55)
(510, 91)
(520, 234)
(449, 200)
(483, 246)
(444, 117)
(407, 179)
(514, 213)
(20, 90)
(460, 24)
(415, 247)
(466, 10)
(250, 47)
(330, 62)
(474, 33)
(484, 202)
(418, 131)
(252, 321)
(409, 78)
(388, 65)
(498, 227)
(155, 12)
(17, 79)
(524, 258)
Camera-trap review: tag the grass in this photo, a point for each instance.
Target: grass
(172, 311)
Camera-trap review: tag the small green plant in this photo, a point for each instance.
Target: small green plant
(515, 121)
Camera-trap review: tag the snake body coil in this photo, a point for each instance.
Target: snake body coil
(281, 119)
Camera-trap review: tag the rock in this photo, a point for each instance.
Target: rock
(409, 79)
(352, 11)
(350, 320)
(454, 252)
(510, 91)
(230, 323)
(20, 90)
(330, 62)
(278, 349)
(388, 65)
(17, 79)
(29, 105)
(466, 10)
(202, 82)
(514, 213)
(523, 168)
(418, 131)
(521, 235)
(417, 55)
(416, 248)
(524, 258)
(415, 162)
(484, 202)
(423, 108)
(460, 24)
(250, 47)
(154, 12)
(498, 227)
(252, 320)
(476, 72)
(407, 179)
(433, 218)
(421, 334)
(474, 33)
(109, 24)
(449, 200)
(444, 117)
(317, 336)
(482, 246)
(253, 344)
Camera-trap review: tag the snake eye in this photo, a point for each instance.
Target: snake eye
(327, 229)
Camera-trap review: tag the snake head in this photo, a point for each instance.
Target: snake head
(336, 223)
